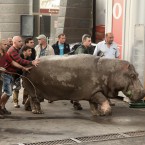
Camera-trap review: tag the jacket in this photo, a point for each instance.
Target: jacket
(56, 48)
(49, 51)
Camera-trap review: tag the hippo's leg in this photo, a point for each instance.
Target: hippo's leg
(103, 108)
(94, 108)
(35, 106)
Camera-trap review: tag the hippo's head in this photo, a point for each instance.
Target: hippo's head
(126, 80)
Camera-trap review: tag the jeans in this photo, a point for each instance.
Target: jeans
(7, 83)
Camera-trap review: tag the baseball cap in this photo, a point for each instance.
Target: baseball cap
(42, 36)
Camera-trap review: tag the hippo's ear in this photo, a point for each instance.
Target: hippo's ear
(126, 66)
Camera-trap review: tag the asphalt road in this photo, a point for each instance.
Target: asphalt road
(60, 122)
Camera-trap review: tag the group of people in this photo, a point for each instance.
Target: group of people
(16, 58)
(12, 62)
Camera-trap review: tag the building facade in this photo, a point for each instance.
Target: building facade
(10, 12)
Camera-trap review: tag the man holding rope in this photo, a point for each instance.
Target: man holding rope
(5, 61)
(12, 56)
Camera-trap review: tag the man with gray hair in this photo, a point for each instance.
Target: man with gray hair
(43, 48)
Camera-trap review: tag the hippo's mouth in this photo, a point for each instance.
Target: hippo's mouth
(128, 93)
(134, 96)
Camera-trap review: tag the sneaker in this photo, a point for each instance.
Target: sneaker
(16, 105)
(6, 112)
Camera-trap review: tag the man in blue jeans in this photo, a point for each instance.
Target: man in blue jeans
(10, 61)
(5, 62)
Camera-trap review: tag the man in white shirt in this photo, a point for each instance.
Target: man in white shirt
(107, 48)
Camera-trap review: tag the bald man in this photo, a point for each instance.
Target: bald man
(13, 52)
(107, 48)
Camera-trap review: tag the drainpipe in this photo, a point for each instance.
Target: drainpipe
(94, 22)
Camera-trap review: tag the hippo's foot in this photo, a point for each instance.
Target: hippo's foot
(94, 109)
(100, 110)
(37, 111)
(105, 109)
(77, 106)
(35, 106)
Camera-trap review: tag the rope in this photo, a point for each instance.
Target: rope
(21, 76)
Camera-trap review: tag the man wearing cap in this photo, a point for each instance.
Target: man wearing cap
(43, 48)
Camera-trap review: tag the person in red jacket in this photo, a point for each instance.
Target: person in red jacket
(5, 63)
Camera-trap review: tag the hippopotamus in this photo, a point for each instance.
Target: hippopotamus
(82, 77)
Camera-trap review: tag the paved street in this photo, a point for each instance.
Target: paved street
(61, 121)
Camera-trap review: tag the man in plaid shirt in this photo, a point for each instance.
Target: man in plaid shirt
(13, 52)
(5, 62)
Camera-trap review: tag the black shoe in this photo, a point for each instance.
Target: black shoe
(6, 112)
(77, 106)
(50, 101)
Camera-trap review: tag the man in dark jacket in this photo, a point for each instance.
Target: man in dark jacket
(84, 48)
(60, 47)
(30, 42)
(25, 53)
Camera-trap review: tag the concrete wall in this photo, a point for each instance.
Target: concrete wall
(75, 19)
(100, 12)
(10, 11)
(134, 36)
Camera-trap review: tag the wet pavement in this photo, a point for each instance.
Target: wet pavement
(61, 121)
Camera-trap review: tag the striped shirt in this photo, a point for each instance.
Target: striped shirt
(14, 54)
